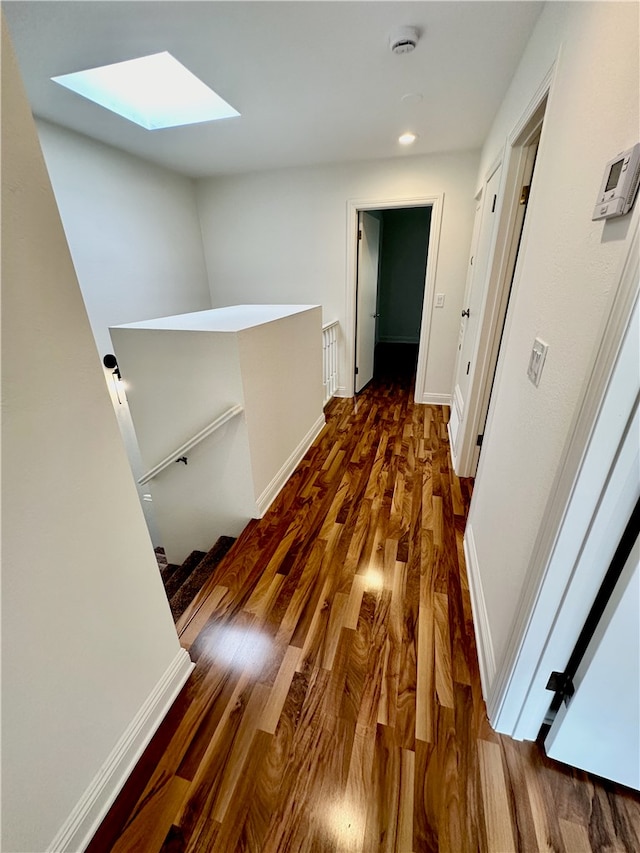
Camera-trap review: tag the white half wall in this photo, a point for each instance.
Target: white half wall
(186, 372)
(181, 382)
(281, 236)
(281, 365)
(567, 269)
(87, 632)
(134, 236)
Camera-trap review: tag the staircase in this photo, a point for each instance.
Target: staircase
(182, 583)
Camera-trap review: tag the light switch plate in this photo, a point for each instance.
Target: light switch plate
(536, 361)
(439, 300)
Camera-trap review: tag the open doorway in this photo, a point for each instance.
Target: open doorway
(393, 248)
(394, 254)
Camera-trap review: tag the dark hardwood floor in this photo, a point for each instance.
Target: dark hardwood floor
(336, 703)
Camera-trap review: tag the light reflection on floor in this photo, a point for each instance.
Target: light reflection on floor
(345, 824)
(373, 580)
(239, 649)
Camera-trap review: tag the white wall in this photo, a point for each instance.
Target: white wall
(134, 236)
(566, 271)
(281, 365)
(281, 236)
(87, 632)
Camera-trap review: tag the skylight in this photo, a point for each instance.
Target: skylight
(153, 91)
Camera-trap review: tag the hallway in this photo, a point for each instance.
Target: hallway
(336, 702)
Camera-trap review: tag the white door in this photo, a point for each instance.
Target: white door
(473, 307)
(368, 254)
(457, 407)
(485, 384)
(599, 729)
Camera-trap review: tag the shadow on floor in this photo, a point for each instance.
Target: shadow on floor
(395, 362)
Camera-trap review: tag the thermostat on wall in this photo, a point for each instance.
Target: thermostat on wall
(619, 185)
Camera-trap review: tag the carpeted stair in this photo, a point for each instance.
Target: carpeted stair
(182, 583)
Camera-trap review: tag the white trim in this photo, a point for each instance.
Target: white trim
(466, 405)
(534, 104)
(482, 629)
(544, 591)
(435, 202)
(498, 274)
(458, 401)
(453, 427)
(341, 391)
(264, 501)
(452, 449)
(81, 825)
(433, 399)
(595, 521)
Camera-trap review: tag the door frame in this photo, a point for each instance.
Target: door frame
(354, 206)
(500, 272)
(525, 172)
(462, 426)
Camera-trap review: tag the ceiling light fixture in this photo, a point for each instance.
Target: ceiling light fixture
(153, 91)
(407, 138)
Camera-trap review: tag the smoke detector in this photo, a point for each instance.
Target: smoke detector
(403, 40)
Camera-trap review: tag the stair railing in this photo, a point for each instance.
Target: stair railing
(180, 453)
(330, 359)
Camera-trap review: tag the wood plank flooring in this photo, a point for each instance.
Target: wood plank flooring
(336, 702)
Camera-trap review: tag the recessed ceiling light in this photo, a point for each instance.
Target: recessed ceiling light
(407, 138)
(153, 91)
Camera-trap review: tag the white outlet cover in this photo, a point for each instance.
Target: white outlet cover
(536, 361)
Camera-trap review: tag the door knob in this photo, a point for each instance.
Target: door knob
(465, 313)
(375, 315)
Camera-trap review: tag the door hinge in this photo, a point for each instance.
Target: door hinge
(493, 206)
(468, 366)
(360, 234)
(524, 195)
(562, 685)
(471, 261)
(356, 371)
(479, 440)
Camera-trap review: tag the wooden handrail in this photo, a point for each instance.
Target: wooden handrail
(191, 443)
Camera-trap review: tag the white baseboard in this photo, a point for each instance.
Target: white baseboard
(436, 399)
(486, 658)
(452, 453)
(341, 391)
(81, 825)
(264, 501)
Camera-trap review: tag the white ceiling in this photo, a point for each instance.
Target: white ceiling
(315, 82)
